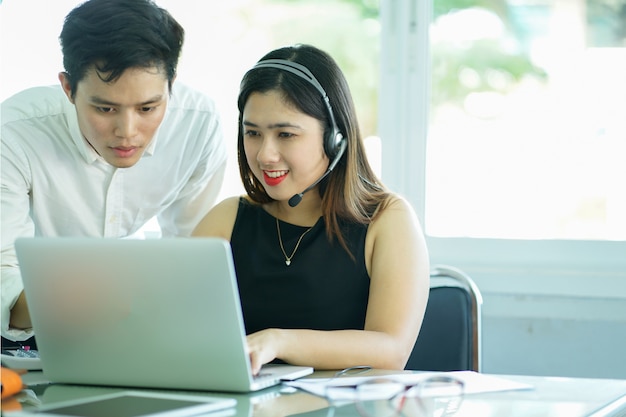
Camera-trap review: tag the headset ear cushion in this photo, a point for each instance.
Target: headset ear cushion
(331, 142)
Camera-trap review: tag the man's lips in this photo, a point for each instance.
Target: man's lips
(273, 178)
(124, 152)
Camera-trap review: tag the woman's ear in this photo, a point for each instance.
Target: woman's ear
(65, 84)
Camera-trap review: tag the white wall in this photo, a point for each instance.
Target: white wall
(549, 307)
(554, 336)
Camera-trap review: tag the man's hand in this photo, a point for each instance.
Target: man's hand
(20, 317)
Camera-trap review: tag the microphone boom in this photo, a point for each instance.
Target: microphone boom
(295, 200)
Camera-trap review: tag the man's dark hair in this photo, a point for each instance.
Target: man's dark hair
(115, 35)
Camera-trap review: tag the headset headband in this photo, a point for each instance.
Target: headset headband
(302, 72)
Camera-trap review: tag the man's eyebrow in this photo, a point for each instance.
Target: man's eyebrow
(104, 102)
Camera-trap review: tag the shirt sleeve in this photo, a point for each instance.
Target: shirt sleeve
(201, 191)
(16, 222)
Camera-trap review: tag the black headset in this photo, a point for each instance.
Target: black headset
(334, 142)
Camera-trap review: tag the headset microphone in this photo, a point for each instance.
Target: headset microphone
(295, 200)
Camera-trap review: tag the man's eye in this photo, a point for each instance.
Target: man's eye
(104, 109)
(147, 109)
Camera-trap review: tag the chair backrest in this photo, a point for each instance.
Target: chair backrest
(450, 337)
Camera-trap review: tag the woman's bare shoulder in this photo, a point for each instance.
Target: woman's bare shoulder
(228, 204)
(395, 206)
(219, 221)
(396, 216)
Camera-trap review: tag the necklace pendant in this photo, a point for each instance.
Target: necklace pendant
(280, 239)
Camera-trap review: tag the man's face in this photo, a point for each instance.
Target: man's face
(119, 119)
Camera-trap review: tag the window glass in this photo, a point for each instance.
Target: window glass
(527, 131)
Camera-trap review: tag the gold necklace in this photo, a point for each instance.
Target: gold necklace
(282, 248)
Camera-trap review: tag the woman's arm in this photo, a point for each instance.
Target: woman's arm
(397, 261)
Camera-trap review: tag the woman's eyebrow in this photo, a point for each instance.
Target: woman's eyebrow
(273, 125)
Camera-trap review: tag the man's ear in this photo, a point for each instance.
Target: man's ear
(65, 84)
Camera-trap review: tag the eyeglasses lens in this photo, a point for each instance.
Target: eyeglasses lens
(436, 396)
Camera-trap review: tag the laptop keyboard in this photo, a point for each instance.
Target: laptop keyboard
(262, 375)
(21, 359)
(21, 353)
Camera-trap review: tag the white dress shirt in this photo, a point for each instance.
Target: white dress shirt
(55, 184)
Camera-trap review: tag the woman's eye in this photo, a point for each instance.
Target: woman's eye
(251, 133)
(285, 134)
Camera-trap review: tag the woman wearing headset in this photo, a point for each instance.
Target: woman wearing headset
(332, 268)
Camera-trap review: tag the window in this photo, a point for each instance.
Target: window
(515, 107)
(451, 180)
(527, 126)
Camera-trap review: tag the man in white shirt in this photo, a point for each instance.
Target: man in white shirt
(116, 144)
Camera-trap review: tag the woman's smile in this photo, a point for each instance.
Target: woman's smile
(273, 178)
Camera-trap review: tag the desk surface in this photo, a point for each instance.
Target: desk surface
(554, 397)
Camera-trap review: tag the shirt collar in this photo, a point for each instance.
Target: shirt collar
(152, 146)
(81, 143)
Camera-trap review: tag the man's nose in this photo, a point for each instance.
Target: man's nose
(126, 125)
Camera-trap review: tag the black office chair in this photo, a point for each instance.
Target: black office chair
(450, 337)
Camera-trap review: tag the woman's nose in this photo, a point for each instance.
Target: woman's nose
(268, 151)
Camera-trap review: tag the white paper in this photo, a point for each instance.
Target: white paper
(474, 383)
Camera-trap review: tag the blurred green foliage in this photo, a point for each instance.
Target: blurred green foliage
(349, 33)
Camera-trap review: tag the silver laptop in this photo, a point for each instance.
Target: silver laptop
(156, 313)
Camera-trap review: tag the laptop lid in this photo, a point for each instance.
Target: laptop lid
(160, 313)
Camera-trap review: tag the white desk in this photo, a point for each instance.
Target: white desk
(553, 397)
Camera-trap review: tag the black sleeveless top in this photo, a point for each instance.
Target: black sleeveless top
(322, 289)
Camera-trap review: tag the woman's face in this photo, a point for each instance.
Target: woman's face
(283, 146)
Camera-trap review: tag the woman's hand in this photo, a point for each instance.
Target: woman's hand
(263, 347)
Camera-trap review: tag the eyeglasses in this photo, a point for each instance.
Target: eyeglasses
(435, 395)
